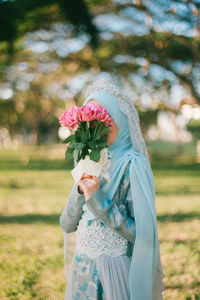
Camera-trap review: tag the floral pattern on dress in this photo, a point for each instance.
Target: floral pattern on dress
(86, 282)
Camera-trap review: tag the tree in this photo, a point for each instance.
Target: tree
(151, 46)
(20, 16)
(194, 127)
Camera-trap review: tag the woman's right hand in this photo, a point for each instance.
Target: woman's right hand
(88, 185)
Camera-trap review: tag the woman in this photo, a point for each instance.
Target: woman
(117, 254)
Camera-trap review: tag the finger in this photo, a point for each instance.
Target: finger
(89, 181)
(86, 179)
(84, 175)
(90, 184)
(90, 178)
(96, 178)
(83, 180)
(83, 184)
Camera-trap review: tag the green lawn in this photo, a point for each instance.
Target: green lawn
(34, 185)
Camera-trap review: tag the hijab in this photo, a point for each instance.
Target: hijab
(145, 255)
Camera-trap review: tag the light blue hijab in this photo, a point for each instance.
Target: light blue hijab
(145, 250)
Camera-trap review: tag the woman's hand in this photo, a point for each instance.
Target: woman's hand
(89, 185)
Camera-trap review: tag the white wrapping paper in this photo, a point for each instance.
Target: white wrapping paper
(91, 167)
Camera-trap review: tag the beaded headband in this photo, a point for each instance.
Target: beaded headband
(110, 88)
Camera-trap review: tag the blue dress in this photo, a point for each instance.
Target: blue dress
(104, 244)
(105, 237)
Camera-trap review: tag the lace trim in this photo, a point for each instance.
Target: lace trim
(94, 239)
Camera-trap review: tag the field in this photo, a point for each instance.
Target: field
(34, 185)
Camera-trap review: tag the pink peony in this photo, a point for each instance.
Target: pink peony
(95, 110)
(86, 114)
(70, 118)
(100, 113)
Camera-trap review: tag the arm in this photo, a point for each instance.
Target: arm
(72, 212)
(117, 213)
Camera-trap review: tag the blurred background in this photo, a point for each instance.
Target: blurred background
(49, 52)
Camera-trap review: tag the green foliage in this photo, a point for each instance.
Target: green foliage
(20, 16)
(95, 155)
(31, 252)
(175, 55)
(89, 136)
(194, 127)
(33, 113)
(148, 118)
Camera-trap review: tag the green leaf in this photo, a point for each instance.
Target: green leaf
(78, 135)
(105, 130)
(102, 145)
(71, 146)
(78, 146)
(70, 150)
(79, 156)
(92, 145)
(103, 139)
(84, 137)
(97, 137)
(95, 155)
(69, 139)
(85, 152)
(75, 154)
(68, 154)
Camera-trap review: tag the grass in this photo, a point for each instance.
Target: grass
(34, 185)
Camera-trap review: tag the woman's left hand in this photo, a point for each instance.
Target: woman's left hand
(89, 185)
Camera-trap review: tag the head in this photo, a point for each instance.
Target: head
(119, 138)
(111, 136)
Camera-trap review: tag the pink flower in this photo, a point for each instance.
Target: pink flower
(70, 118)
(104, 117)
(100, 113)
(85, 114)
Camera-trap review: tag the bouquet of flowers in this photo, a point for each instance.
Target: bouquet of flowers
(87, 127)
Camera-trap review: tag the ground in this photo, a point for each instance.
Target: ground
(34, 185)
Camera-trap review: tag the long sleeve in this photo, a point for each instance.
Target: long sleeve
(72, 212)
(116, 213)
